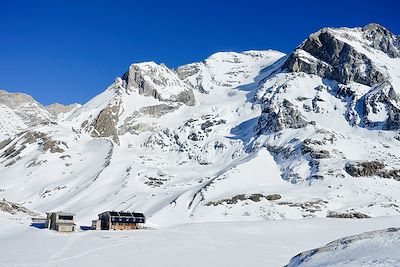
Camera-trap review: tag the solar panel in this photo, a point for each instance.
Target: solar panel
(127, 214)
(113, 213)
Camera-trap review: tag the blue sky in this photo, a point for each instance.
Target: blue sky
(69, 51)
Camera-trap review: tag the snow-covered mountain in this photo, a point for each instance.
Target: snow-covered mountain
(240, 136)
(19, 111)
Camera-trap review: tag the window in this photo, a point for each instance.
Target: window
(66, 217)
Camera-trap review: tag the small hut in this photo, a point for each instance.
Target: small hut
(119, 220)
(60, 221)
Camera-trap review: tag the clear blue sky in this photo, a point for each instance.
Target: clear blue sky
(69, 51)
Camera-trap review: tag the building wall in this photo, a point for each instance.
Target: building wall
(124, 226)
(65, 228)
(51, 221)
(54, 223)
(96, 224)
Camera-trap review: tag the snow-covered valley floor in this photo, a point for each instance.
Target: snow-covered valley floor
(268, 243)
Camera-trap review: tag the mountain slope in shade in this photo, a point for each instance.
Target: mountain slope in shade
(255, 135)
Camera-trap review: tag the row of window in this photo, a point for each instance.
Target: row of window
(65, 217)
(118, 223)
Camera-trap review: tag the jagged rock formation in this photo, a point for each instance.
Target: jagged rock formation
(382, 39)
(104, 124)
(327, 54)
(150, 79)
(275, 119)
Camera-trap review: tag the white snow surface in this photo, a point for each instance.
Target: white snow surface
(269, 243)
(375, 248)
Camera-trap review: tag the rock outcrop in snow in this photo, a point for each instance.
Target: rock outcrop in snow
(151, 79)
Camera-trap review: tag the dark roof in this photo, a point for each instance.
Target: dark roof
(124, 214)
(113, 213)
(61, 213)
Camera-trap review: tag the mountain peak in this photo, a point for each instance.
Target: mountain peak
(374, 27)
(158, 81)
(348, 54)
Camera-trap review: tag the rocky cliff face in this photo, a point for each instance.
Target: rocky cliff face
(382, 39)
(356, 56)
(326, 55)
(158, 81)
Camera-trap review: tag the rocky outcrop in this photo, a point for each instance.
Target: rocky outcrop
(188, 70)
(333, 54)
(307, 147)
(371, 168)
(13, 208)
(325, 55)
(276, 118)
(243, 197)
(382, 100)
(158, 81)
(366, 168)
(382, 39)
(105, 124)
(347, 215)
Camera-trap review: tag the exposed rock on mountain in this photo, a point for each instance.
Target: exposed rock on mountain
(13, 208)
(328, 56)
(275, 119)
(150, 79)
(382, 39)
(105, 123)
(19, 111)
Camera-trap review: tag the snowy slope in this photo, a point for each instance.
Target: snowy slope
(244, 136)
(377, 248)
(269, 243)
(10, 122)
